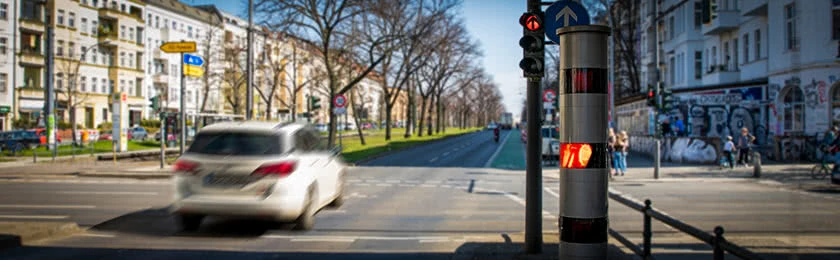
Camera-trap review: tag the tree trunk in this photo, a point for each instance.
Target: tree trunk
(356, 117)
(409, 117)
(422, 116)
(440, 115)
(268, 107)
(431, 111)
(293, 109)
(388, 108)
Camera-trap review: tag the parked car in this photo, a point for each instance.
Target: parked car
(19, 140)
(350, 126)
(550, 142)
(137, 133)
(366, 126)
(42, 135)
(256, 169)
(170, 137)
(322, 128)
(105, 136)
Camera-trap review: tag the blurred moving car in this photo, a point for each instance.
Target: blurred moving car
(257, 169)
(491, 126)
(550, 142)
(138, 133)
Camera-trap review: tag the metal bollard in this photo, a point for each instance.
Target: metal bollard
(756, 165)
(718, 250)
(35, 154)
(648, 232)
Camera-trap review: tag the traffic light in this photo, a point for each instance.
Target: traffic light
(667, 100)
(154, 103)
(532, 43)
(709, 11)
(651, 97)
(314, 102)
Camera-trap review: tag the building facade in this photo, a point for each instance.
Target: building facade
(769, 66)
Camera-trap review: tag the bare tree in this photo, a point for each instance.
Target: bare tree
(326, 24)
(298, 57)
(273, 70)
(622, 17)
(235, 78)
(69, 67)
(211, 52)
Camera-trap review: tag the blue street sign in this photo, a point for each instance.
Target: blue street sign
(193, 60)
(561, 14)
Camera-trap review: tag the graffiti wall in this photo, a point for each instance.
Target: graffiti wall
(722, 112)
(679, 149)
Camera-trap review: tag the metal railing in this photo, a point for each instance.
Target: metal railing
(718, 243)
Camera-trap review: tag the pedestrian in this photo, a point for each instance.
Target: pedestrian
(728, 152)
(666, 126)
(620, 153)
(744, 146)
(610, 150)
(680, 127)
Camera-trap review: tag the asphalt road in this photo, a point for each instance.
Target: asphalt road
(449, 205)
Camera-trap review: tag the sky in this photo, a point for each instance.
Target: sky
(494, 23)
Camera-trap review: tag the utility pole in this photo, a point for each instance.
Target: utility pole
(657, 132)
(249, 99)
(49, 90)
(182, 123)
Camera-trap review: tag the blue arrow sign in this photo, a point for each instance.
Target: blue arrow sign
(561, 14)
(193, 60)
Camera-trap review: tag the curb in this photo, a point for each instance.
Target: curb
(393, 151)
(56, 230)
(125, 176)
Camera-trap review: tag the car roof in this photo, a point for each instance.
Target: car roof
(252, 127)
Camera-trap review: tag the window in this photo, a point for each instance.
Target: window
(105, 114)
(122, 59)
(726, 53)
(794, 110)
(93, 27)
(59, 48)
(671, 71)
(671, 29)
(71, 49)
(59, 80)
(757, 39)
(130, 59)
(122, 31)
(130, 33)
(3, 44)
(60, 18)
(714, 56)
(189, 31)
(83, 86)
(157, 21)
(111, 88)
(165, 23)
(174, 25)
(835, 20)
(735, 53)
(4, 11)
(71, 20)
(149, 19)
(791, 41)
(4, 81)
(122, 85)
(84, 25)
(122, 8)
(92, 84)
(746, 48)
(93, 56)
(698, 65)
(104, 87)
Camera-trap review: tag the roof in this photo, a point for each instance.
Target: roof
(189, 11)
(249, 126)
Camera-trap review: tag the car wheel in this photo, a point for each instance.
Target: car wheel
(306, 220)
(189, 222)
(339, 198)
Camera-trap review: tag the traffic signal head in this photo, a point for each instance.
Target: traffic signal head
(154, 103)
(532, 43)
(667, 100)
(315, 102)
(651, 96)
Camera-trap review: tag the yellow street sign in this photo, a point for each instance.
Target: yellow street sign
(193, 71)
(175, 47)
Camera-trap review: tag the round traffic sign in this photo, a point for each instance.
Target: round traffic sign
(549, 95)
(339, 101)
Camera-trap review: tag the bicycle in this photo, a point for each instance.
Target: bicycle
(823, 169)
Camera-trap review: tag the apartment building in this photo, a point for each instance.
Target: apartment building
(767, 65)
(8, 20)
(173, 21)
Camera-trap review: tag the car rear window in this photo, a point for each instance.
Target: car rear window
(550, 132)
(227, 143)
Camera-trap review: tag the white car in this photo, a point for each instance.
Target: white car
(257, 169)
(550, 143)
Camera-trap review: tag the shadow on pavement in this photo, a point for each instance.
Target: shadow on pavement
(158, 222)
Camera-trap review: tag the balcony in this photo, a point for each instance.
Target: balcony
(31, 24)
(754, 7)
(160, 78)
(31, 57)
(726, 20)
(720, 74)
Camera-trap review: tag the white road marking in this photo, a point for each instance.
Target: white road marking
(354, 180)
(384, 185)
(434, 241)
(428, 185)
(411, 181)
(108, 193)
(351, 238)
(433, 181)
(47, 206)
(552, 192)
(342, 240)
(95, 235)
(446, 186)
(32, 217)
(361, 184)
(433, 159)
(407, 185)
(372, 181)
(496, 153)
(392, 181)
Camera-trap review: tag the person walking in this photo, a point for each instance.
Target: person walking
(620, 153)
(744, 146)
(680, 127)
(728, 152)
(610, 150)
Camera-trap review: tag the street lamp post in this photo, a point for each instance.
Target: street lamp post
(49, 91)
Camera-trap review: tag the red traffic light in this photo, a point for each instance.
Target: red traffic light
(650, 93)
(575, 155)
(530, 21)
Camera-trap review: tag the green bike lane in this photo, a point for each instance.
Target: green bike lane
(512, 154)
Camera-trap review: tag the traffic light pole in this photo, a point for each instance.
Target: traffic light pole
(657, 136)
(183, 122)
(533, 160)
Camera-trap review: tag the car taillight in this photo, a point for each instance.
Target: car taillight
(282, 169)
(184, 166)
